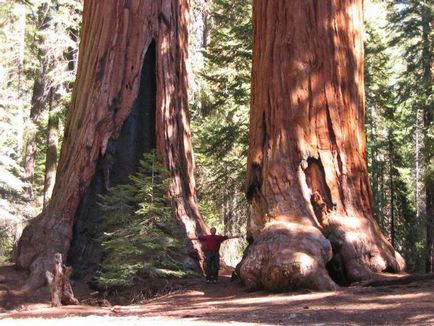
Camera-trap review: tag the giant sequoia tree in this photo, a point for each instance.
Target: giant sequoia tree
(130, 97)
(311, 217)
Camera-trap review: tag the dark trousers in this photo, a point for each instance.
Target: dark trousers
(212, 265)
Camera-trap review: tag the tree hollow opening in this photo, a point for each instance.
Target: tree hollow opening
(322, 204)
(321, 198)
(122, 157)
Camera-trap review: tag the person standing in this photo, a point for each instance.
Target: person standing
(212, 256)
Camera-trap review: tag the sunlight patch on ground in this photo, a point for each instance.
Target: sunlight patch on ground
(398, 296)
(279, 298)
(112, 321)
(35, 309)
(427, 319)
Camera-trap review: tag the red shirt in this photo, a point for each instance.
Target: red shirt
(213, 241)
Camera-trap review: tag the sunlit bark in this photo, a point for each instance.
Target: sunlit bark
(311, 218)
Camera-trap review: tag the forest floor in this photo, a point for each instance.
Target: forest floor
(197, 303)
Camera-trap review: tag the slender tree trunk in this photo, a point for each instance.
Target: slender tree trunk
(374, 173)
(21, 10)
(130, 96)
(206, 24)
(418, 162)
(392, 191)
(39, 96)
(307, 180)
(51, 152)
(383, 197)
(428, 119)
(29, 161)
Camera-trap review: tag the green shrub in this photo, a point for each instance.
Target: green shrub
(141, 238)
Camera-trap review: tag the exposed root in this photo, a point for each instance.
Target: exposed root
(361, 253)
(287, 256)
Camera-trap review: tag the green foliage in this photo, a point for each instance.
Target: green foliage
(411, 22)
(211, 216)
(14, 87)
(141, 238)
(13, 94)
(52, 38)
(221, 113)
(38, 42)
(393, 89)
(13, 207)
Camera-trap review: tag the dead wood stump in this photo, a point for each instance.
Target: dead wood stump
(59, 283)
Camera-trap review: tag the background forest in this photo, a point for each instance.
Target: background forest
(39, 51)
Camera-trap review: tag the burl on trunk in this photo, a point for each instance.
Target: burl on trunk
(130, 96)
(311, 220)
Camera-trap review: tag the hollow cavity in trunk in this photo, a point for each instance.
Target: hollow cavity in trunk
(121, 159)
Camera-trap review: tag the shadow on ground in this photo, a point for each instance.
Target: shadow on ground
(228, 302)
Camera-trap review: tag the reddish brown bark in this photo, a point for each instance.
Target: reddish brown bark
(307, 180)
(115, 40)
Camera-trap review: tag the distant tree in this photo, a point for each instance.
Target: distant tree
(220, 114)
(51, 151)
(53, 45)
(390, 133)
(13, 98)
(413, 26)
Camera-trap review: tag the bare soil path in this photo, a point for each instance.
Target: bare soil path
(197, 303)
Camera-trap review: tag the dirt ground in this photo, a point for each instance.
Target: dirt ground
(198, 303)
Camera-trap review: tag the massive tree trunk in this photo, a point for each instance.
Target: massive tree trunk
(311, 217)
(130, 96)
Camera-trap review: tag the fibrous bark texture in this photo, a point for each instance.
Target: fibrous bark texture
(130, 96)
(311, 217)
